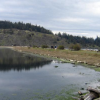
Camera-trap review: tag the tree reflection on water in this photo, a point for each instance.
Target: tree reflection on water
(10, 59)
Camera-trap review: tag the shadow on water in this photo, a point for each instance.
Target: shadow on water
(12, 60)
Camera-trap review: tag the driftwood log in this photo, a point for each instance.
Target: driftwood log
(93, 94)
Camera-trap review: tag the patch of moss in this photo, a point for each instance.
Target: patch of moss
(56, 66)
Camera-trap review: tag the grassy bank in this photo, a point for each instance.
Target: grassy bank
(91, 58)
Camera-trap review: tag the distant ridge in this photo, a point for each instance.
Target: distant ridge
(23, 26)
(21, 34)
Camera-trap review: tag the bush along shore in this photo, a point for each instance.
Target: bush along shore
(85, 57)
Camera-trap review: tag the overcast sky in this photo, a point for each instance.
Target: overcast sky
(76, 17)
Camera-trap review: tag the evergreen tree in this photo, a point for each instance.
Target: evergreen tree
(23, 26)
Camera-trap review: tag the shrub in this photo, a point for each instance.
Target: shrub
(61, 47)
(71, 47)
(44, 46)
(75, 47)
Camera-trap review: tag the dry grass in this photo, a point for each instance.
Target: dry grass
(90, 57)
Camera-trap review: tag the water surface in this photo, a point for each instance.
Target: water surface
(28, 77)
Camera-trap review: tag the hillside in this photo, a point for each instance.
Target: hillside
(18, 37)
(25, 34)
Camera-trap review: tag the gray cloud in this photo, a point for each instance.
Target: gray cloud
(77, 17)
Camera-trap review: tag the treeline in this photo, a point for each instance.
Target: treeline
(84, 41)
(23, 26)
(70, 39)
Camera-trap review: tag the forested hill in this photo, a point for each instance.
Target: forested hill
(84, 41)
(23, 26)
(21, 34)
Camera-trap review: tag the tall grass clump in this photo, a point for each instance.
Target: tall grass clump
(61, 47)
(44, 46)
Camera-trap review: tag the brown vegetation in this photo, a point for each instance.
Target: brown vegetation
(86, 57)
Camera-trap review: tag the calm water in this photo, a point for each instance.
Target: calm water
(24, 77)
